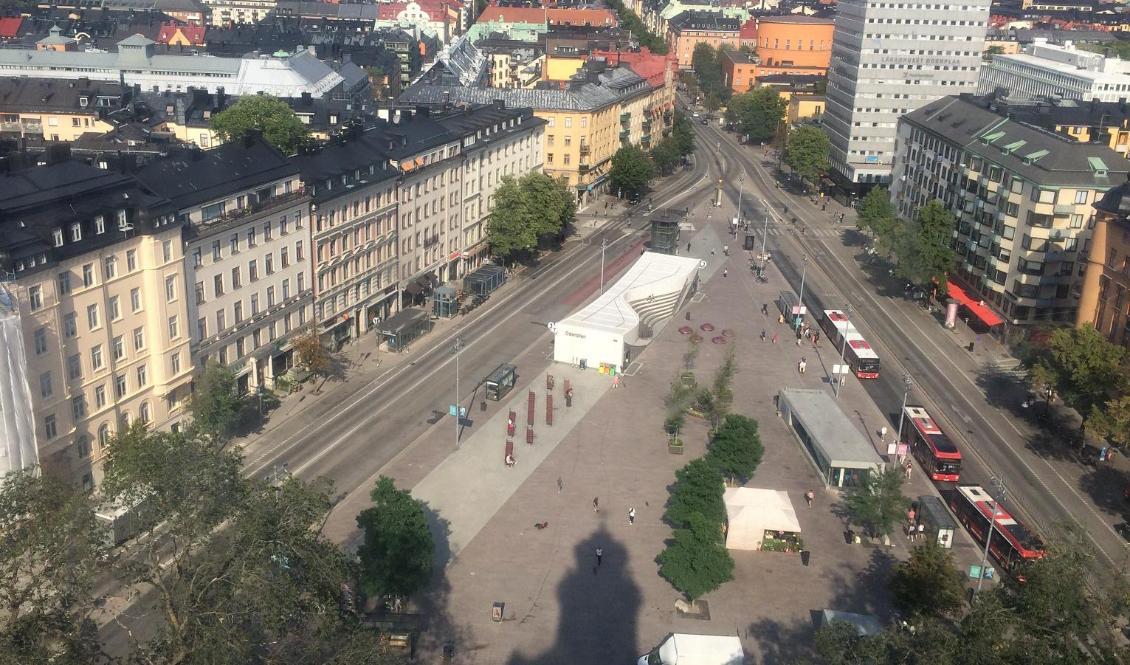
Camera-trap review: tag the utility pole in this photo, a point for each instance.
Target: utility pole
(997, 485)
(764, 241)
(800, 298)
(741, 192)
(603, 246)
(456, 348)
(838, 383)
(907, 384)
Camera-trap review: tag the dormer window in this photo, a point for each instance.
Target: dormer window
(76, 232)
(99, 225)
(58, 236)
(123, 220)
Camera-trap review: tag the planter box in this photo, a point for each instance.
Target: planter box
(675, 447)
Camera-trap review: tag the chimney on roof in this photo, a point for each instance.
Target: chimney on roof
(307, 99)
(221, 97)
(499, 103)
(1094, 104)
(251, 137)
(57, 153)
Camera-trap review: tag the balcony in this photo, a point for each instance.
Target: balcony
(585, 149)
(261, 206)
(625, 118)
(647, 124)
(22, 127)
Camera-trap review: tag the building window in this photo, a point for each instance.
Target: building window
(82, 445)
(99, 396)
(109, 268)
(267, 231)
(50, 428)
(142, 376)
(199, 289)
(70, 325)
(40, 337)
(35, 298)
(233, 243)
(218, 285)
(78, 407)
(74, 367)
(269, 264)
(174, 327)
(170, 288)
(215, 250)
(103, 435)
(115, 308)
(212, 211)
(174, 363)
(254, 304)
(221, 323)
(120, 385)
(286, 289)
(270, 296)
(76, 232)
(135, 299)
(65, 282)
(284, 257)
(131, 260)
(118, 348)
(143, 413)
(237, 311)
(1081, 196)
(88, 275)
(251, 237)
(45, 387)
(99, 225)
(252, 271)
(96, 356)
(202, 327)
(236, 278)
(92, 320)
(298, 251)
(57, 236)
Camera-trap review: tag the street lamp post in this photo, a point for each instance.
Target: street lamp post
(907, 383)
(837, 383)
(603, 246)
(456, 348)
(741, 193)
(377, 328)
(800, 298)
(997, 484)
(764, 242)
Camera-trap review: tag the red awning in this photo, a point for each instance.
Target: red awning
(982, 312)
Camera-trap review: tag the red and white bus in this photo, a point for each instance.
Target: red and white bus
(862, 359)
(937, 454)
(1011, 544)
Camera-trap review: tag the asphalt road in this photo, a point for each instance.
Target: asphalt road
(352, 437)
(994, 442)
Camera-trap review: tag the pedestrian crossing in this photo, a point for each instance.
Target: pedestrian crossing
(777, 230)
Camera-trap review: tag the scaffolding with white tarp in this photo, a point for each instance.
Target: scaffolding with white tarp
(18, 449)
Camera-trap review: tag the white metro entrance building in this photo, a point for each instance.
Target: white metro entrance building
(628, 313)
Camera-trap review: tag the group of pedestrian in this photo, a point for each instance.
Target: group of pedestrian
(915, 530)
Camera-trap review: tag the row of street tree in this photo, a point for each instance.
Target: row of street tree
(920, 248)
(228, 568)
(633, 168)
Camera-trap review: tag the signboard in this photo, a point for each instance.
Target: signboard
(840, 369)
(891, 448)
(800, 310)
(902, 450)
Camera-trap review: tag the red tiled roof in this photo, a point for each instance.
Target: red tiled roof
(10, 27)
(748, 30)
(647, 65)
(389, 11)
(193, 33)
(597, 16)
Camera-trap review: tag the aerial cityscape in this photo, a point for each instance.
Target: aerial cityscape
(668, 332)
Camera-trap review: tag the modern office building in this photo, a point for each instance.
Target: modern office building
(246, 274)
(889, 59)
(1022, 197)
(93, 261)
(1050, 70)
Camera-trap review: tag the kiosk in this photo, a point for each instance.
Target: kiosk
(500, 381)
(939, 523)
(404, 327)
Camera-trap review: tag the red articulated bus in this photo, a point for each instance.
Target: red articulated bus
(1011, 544)
(937, 454)
(862, 359)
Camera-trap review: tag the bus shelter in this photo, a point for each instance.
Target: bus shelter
(404, 327)
(445, 304)
(838, 450)
(484, 280)
(933, 514)
(500, 381)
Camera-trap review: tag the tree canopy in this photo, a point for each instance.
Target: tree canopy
(696, 561)
(683, 134)
(757, 113)
(312, 354)
(396, 548)
(807, 153)
(631, 170)
(270, 115)
(877, 216)
(706, 62)
(929, 582)
(878, 503)
(526, 209)
(665, 156)
(698, 489)
(216, 403)
(1083, 367)
(925, 253)
(735, 448)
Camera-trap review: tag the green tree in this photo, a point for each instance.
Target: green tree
(396, 548)
(735, 448)
(683, 134)
(695, 561)
(877, 503)
(698, 489)
(1081, 366)
(270, 115)
(994, 50)
(722, 392)
(631, 170)
(807, 153)
(630, 22)
(757, 113)
(1111, 422)
(925, 254)
(877, 216)
(665, 155)
(528, 209)
(928, 583)
(312, 354)
(49, 556)
(216, 402)
(707, 65)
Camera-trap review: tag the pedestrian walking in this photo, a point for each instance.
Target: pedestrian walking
(763, 336)
(921, 531)
(616, 382)
(688, 247)
(599, 555)
(560, 484)
(725, 272)
(713, 251)
(596, 504)
(908, 468)
(780, 318)
(809, 497)
(631, 516)
(798, 340)
(775, 337)
(802, 365)
(765, 309)
(883, 433)
(816, 339)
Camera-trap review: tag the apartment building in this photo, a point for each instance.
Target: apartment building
(1087, 121)
(692, 28)
(1022, 197)
(1050, 70)
(1106, 280)
(889, 59)
(246, 274)
(238, 12)
(94, 261)
(57, 110)
(354, 234)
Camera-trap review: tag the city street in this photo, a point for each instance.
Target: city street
(975, 395)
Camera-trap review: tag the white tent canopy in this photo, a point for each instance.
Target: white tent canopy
(751, 512)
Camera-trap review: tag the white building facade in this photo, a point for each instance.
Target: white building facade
(889, 59)
(1048, 70)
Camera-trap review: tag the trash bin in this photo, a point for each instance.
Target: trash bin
(805, 555)
(970, 347)
(482, 405)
